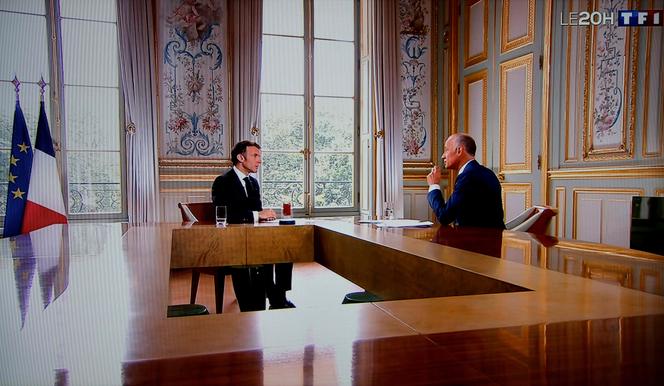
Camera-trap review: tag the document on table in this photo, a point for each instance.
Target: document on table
(403, 223)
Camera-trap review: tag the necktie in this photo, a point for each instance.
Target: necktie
(248, 186)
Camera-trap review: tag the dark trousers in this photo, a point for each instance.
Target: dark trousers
(251, 285)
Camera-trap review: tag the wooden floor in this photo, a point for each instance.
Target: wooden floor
(313, 286)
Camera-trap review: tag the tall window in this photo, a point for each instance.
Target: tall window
(309, 104)
(83, 95)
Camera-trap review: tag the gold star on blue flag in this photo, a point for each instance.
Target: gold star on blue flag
(20, 166)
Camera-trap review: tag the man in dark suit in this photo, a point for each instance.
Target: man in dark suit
(240, 193)
(477, 199)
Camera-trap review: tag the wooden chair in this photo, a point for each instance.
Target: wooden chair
(533, 220)
(204, 212)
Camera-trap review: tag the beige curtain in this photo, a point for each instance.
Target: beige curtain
(135, 35)
(384, 43)
(246, 21)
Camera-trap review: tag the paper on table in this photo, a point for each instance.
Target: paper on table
(403, 223)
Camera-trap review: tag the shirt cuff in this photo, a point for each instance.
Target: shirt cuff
(255, 213)
(433, 187)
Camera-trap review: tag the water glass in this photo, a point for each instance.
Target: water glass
(286, 210)
(220, 215)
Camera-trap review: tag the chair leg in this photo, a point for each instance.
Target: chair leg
(219, 281)
(195, 275)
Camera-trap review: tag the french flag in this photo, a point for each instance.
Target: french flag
(45, 205)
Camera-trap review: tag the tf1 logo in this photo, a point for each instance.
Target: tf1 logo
(624, 18)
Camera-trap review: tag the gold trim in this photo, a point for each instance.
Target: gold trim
(453, 70)
(194, 163)
(505, 67)
(470, 60)
(645, 272)
(187, 177)
(587, 246)
(481, 75)
(577, 191)
(511, 187)
(523, 245)
(624, 150)
(507, 45)
(611, 173)
(415, 188)
(420, 174)
(433, 95)
(646, 99)
(613, 272)
(546, 97)
(659, 192)
(561, 205)
(567, 80)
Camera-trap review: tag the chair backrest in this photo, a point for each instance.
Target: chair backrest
(538, 222)
(197, 211)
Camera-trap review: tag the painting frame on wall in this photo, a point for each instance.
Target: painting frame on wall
(418, 60)
(610, 87)
(193, 82)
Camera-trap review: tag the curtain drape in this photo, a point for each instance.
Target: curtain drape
(247, 26)
(135, 32)
(384, 43)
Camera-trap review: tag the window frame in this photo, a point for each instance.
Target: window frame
(57, 118)
(310, 209)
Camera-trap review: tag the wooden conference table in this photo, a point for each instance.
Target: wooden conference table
(92, 309)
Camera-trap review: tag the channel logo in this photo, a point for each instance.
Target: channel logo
(647, 18)
(624, 18)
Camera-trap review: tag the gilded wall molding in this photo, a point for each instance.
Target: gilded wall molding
(467, 59)
(587, 246)
(646, 99)
(523, 245)
(194, 163)
(187, 177)
(525, 188)
(507, 45)
(561, 204)
(577, 191)
(607, 173)
(479, 76)
(525, 61)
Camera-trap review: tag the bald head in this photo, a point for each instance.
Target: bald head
(459, 149)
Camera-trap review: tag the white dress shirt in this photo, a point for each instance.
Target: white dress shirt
(242, 176)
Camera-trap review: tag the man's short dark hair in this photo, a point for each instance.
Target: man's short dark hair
(241, 148)
(467, 142)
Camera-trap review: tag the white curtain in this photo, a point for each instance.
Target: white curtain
(247, 26)
(135, 34)
(384, 36)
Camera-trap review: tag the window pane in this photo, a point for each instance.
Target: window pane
(94, 182)
(282, 68)
(283, 178)
(103, 10)
(28, 6)
(282, 122)
(334, 73)
(29, 105)
(24, 47)
(283, 17)
(333, 129)
(90, 53)
(333, 19)
(93, 119)
(333, 180)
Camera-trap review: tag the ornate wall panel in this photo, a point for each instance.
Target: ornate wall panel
(611, 60)
(603, 215)
(476, 29)
(517, 250)
(418, 59)
(193, 82)
(416, 205)
(475, 110)
(516, 90)
(574, 70)
(518, 24)
(516, 199)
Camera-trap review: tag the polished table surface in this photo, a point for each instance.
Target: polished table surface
(92, 310)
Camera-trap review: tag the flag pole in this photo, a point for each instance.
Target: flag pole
(42, 86)
(17, 87)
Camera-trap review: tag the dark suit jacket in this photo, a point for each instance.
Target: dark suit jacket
(476, 200)
(227, 190)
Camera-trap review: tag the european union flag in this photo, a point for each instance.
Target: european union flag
(20, 166)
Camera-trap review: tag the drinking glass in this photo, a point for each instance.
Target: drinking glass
(286, 210)
(220, 215)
